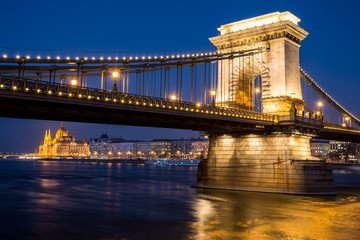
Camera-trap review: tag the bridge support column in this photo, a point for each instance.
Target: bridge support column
(279, 163)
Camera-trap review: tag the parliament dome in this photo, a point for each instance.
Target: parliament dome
(61, 132)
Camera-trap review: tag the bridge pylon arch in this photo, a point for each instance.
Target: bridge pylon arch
(281, 35)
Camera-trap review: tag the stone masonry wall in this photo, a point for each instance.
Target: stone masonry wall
(273, 163)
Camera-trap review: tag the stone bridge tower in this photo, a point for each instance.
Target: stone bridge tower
(278, 66)
(278, 160)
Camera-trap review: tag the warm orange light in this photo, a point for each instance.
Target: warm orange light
(257, 90)
(319, 104)
(73, 82)
(198, 104)
(213, 92)
(347, 118)
(292, 95)
(318, 112)
(115, 74)
(344, 125)
(173, 97)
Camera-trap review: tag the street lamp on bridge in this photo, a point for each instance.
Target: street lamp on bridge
(320, 104)
(115, 75)
(213, 94)
(74, 82)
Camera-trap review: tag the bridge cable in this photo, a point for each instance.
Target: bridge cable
(327, 97)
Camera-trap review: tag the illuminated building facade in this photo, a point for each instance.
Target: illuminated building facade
(340, 150)
(117, 147)
(319, 148)
(63, 145)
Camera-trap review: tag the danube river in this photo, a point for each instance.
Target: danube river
(72, 200)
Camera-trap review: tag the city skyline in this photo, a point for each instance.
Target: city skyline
(322, 53)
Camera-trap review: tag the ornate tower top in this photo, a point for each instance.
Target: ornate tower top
(258, 21)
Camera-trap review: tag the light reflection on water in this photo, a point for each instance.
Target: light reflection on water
(71, 200)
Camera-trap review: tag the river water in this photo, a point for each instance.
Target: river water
(73, 200)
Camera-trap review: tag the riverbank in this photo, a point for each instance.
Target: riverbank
(130, 161)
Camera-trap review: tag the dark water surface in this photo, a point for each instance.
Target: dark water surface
(70, 200)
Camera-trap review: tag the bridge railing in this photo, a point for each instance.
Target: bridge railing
(13, 83)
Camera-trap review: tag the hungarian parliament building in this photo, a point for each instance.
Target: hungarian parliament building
(63, 145)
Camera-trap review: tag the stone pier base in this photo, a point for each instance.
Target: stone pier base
(270, 163)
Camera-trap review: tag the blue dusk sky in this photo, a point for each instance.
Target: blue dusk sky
(330, 53)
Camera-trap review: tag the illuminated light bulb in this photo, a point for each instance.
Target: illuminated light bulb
(85, 58)
(93, 58)
(14, 87)
(136, 58)
(143, 58)
(149, 57)
(198, 104)
(115, 74)
(4, 56)
(67, 58)
(116, 58)
(58, 58)
(124, 58)
(155, 57)
(73, 82)
(77, 58)
(347, 119)
(28, 57)
(60, 93)
(213, 92)
(109, 58)
(48, 57)
(38, 57)
(292, 95)
(101, 58)
(320, 104)
(17, 56)
(80, 95)
(173, 97)
(257, 90)
(130, 58)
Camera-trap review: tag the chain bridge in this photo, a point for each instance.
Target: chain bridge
(249, 95)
